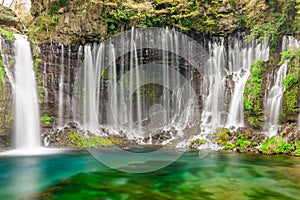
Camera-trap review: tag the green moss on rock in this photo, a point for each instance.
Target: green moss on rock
(252, 93)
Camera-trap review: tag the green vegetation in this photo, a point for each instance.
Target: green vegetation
(278, 21)
(36, 63)
(229, 146)
(46, 119)
(2, 73)
(243, 144)
(233, 140)
(9, 35)
(83, 20)
(89, 142)
(194, 144)
(276, 144)
(291, 82)
(252, 93)
(291, 98)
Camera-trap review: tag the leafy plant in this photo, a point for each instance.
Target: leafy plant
(46, 119)
(7, 35)
(229, 146)
(243, 144)
(276, 144)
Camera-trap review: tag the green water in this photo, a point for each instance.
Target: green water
(77, 175)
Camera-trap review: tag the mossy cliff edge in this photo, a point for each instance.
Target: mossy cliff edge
(64, 21)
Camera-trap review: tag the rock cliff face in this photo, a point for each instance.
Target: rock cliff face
(6, 98)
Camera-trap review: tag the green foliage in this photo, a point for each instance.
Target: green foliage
(254, 143)
(278, 21)
(284, 56)
(89, 142)
(223, 135)
(252, 92)
(229, 146)
(291, 99)
(9, 35)
(46, 119)
(291, 81)
(276, 144)
(252, 120)
(297, 152)
(243, 144)
(36, 64)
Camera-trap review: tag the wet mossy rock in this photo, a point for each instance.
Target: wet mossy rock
(94, 20)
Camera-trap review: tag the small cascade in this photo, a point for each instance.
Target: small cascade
(289, 42)
(27, 122)
(274, 100)
(61, 89)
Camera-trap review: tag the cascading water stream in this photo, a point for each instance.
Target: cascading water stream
(274, 100)
(27, 122)
(61, 89)
(241, 56)
(289, 42)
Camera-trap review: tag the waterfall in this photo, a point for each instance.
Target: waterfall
(133, 84)
(274, 100)
(275, 95)
(289, 42)
(214, 87)
(241, 56)
(235, 62)
(27, 122)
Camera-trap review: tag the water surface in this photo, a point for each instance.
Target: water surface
(77, 175)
